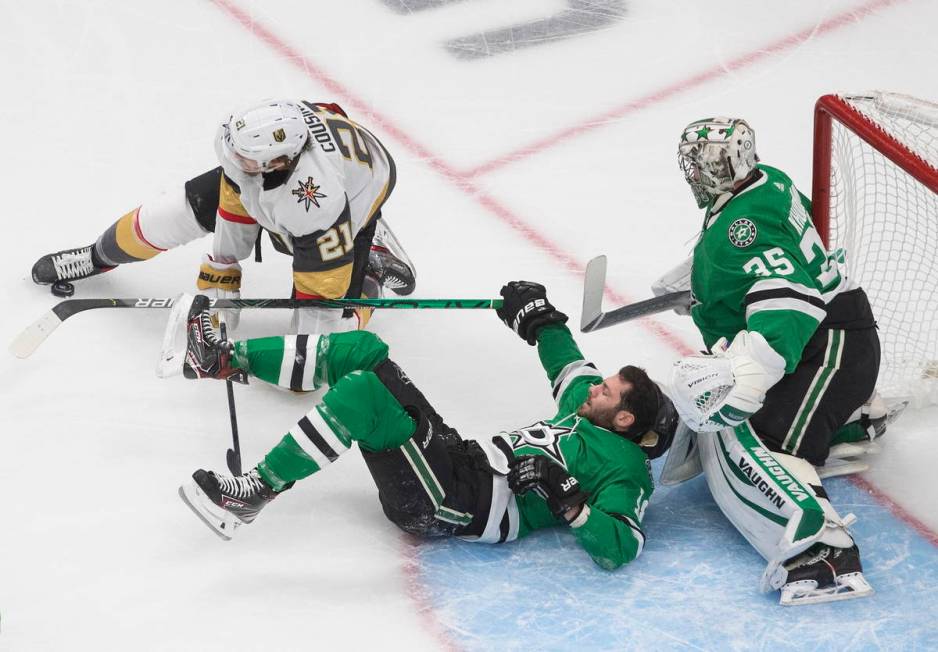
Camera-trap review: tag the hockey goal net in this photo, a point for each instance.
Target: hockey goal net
(875, 195)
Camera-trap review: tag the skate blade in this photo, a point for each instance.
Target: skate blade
(850, 586)
(221, 522)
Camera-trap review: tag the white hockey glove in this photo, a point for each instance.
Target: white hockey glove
(221, 281)
(712, 392)
(675, 280)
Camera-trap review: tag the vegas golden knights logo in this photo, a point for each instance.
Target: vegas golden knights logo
(280, 135)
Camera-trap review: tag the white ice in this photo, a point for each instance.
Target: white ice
(521, 164)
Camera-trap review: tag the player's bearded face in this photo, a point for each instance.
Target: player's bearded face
(602, 403)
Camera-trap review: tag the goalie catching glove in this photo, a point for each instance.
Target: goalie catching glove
(526, 310)
(712, 392)
(550, 481)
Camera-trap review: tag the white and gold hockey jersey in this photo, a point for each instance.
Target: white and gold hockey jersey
(343, 177)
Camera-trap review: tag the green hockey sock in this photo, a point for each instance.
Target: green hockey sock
(285, 463)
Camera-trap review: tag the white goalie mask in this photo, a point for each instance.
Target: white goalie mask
(254, 138)
(715, 154)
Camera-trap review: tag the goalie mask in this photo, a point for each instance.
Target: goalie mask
(264, 137)
(715, 154)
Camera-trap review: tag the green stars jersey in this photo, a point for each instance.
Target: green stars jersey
(614, 471)
(760, 266)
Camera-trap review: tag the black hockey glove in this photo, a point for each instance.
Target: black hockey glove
(550, 480)
(526, 309)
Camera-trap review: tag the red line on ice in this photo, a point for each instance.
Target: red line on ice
(847, 18)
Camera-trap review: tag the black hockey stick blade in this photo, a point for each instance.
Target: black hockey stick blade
(594, 285)
(234, 461)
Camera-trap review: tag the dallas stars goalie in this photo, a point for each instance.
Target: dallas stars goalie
(792, 368)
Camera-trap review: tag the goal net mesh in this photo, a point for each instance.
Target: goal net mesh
(886, 219)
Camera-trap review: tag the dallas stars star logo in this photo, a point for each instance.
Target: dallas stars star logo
(307, 192)
(542, 435)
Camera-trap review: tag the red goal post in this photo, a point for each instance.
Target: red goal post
(875, 196)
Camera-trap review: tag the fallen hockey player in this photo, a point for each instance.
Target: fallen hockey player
(585, 468)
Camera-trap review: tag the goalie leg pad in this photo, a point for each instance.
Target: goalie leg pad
(778, 514)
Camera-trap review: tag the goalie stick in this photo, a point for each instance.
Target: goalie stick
(594, 284)
(37, 332)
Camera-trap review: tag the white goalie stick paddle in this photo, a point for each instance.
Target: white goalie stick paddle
(594, 285)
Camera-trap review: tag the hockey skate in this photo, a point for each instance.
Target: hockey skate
(824, 574)
(207, 356)
(388, 264)
(67, 265)
(223, 502)
(192, 345)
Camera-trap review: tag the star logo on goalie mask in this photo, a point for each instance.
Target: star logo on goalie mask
(541, 435)
(307, 192)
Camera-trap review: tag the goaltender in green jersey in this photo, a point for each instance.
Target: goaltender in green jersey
(585, 468)
(792, 364)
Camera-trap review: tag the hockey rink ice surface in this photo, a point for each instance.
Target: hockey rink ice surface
(530, 136)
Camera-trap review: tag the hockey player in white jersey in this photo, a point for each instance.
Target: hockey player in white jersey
(305, 173)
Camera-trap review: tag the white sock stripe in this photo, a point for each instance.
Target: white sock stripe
(326, 431)
(309, 447)
(286, 364)
(309, 370)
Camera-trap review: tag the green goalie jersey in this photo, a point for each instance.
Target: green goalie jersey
(760, 266)
(614, 471)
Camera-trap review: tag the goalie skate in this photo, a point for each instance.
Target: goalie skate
(224, 503)
(825, 574)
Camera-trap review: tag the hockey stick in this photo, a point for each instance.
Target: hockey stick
(233, 455)
(594, 284)
(37, 332)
